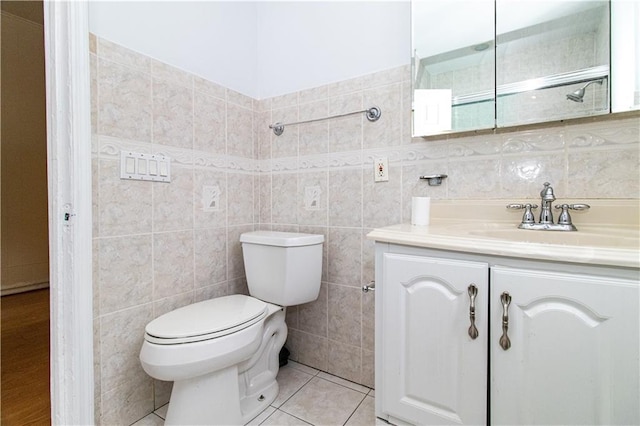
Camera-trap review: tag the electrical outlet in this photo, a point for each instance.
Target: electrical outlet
(381, 169)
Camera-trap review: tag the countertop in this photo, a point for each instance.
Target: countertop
(612, 244)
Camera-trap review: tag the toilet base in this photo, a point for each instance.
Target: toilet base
(236, 394)
(198, 400)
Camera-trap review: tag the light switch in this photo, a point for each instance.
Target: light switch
(130, 165)
(142, 166)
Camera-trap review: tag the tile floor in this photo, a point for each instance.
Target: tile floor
(307, 397)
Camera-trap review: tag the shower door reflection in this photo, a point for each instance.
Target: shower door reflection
(555, 68)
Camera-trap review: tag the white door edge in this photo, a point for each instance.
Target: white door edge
(70, 220)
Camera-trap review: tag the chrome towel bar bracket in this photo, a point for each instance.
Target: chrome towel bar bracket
(372, 114)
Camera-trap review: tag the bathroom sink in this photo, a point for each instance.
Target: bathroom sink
(600, 238)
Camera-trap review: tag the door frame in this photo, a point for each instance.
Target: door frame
(68, 109)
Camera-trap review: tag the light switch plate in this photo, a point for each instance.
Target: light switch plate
(139, 166)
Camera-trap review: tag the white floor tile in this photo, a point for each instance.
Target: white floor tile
(321, 402)
(162, 411)
(149, 420)
(262, 416)
(290, 380)
(303, 368)
(280, 418)
(343, 382)
(365, 415)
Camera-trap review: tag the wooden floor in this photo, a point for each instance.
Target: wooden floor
(24, 392)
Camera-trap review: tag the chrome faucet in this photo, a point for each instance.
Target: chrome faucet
(546, 215)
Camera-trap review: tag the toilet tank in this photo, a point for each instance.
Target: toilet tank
(284, 268)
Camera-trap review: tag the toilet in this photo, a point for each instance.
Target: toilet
(223, 354)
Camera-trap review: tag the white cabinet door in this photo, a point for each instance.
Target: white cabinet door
(574, 351)
(433, 372)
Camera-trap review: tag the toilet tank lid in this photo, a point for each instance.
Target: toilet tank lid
(281, 239)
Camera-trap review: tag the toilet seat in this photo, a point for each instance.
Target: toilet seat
(206, 320)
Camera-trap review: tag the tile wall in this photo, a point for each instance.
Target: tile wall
(156, 246)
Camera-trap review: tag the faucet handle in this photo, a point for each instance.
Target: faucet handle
(565, 218)
(527, 217)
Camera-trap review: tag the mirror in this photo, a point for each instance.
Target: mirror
(481, 64)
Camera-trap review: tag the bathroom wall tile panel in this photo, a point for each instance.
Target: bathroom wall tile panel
(612, 132)
(240, 211)
(368, 368)
(125, 272)
(235, 262)
(406, 98)
(95, 275)
(93, 44)
(312, 317)
(312, 198)
(124, 102)
(346, 86)
(368, 320)
(320, 230)
(284, 204)
(344, 314)
(368, 258)
(168, 304)
(345, 361)
(211, 292)
(291, 317)
(128, 402)
(239, 131)
(264, 182)
(285, 145)
(312, 95)
(533, 141)
(283, 101)
(238, 286)
(382, 200)
(522, 176)
(344, 256)
(173, 201)
(123, 56)
(345, 197)
(124, 205)
(345, 133)
(486, 145)
(314, 137)
(239, 99)
(310, 349)
(209, 124)
(210, 198)
(262, 105)
(95, 197)
(93, 74)
(210, 256)
(385, 77)
(263, 134)
(161, 394)
(170, 73)
(605, 173)
(172, 114)
(474, 179)
(200, 85)
(97, 370)
(172, 263)
(387, 130)
(120, 340)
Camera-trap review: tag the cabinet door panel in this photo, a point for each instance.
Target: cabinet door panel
(574, 349)
(433, 372)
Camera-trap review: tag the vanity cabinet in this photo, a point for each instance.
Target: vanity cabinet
(573, 333)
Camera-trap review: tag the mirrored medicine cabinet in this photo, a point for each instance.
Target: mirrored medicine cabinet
(485, 64)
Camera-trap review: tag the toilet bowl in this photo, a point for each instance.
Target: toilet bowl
(222, 354)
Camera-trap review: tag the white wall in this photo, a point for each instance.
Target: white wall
(214, 39)
(262, 49)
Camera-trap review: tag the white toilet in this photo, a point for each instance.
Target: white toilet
(223, 354)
